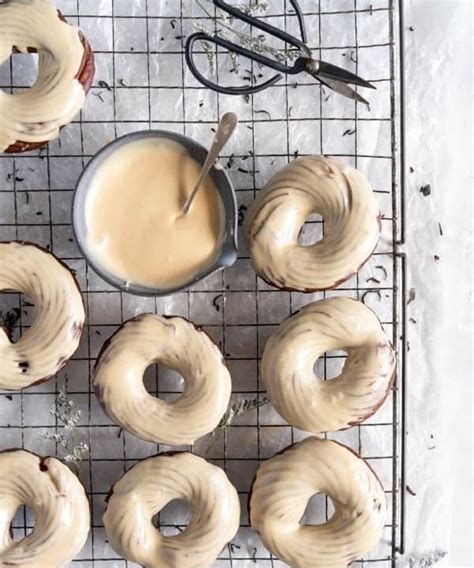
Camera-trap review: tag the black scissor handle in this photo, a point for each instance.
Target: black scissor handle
(268, 28)
(259, 58)
(234, 48)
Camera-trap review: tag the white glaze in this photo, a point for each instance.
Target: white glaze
(290, 354)
(178, 344)
(37, 114)
(150, 485)
(46, 346)
(341, 195)
(59, 502)
(284, 485)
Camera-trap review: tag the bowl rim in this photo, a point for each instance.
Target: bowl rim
(227, 254)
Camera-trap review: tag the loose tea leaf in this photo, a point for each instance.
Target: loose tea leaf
(254, 554)
(411, 296)
(383, 269)
(264, 112)
(105, 85)
(216, 303)
(364, 296)
(242, 210)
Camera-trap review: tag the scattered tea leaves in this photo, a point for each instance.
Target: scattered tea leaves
(68, 418)
(105, 85)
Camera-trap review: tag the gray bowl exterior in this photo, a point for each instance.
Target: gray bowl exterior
(227, 254)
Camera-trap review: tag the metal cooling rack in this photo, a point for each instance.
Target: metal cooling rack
(141, 82)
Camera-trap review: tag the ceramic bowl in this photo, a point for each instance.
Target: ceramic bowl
(227, 252)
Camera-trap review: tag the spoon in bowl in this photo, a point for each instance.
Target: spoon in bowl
(225, 129)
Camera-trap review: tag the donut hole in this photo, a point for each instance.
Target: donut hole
(163, 382)
(20, 71)
(173, 518)
(319, 510)
(330, 365)
(17, 313)
(312, 231)
(22, 523)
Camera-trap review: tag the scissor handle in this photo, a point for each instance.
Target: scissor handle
(234, 48)
(268, 28)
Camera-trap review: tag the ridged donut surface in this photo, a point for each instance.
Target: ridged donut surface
(34, 116)
(54, 336)
(288, 362)
(178, 344)
(148, 487)
(285, 483)
(59, 503)
(341, 195)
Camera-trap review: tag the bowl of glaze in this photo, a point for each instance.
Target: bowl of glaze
(226, 253)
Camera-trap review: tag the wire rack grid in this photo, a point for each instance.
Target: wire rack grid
(142, 83)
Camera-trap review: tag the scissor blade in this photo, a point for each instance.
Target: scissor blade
(342, 89)
(329, 71)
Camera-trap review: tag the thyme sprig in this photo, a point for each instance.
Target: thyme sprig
(240, 409)
(235, 411)
(223, 28)
(68, 417)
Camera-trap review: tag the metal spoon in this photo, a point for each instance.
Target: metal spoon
(225, 129)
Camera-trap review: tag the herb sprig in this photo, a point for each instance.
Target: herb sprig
(426, 561)
(222, 27)
(235, 411)
(68, 417)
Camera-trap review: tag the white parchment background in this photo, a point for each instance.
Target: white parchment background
(439, 128)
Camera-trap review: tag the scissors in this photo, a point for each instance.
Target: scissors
(333, 77)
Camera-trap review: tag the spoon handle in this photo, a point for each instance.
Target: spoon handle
(225, 129)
